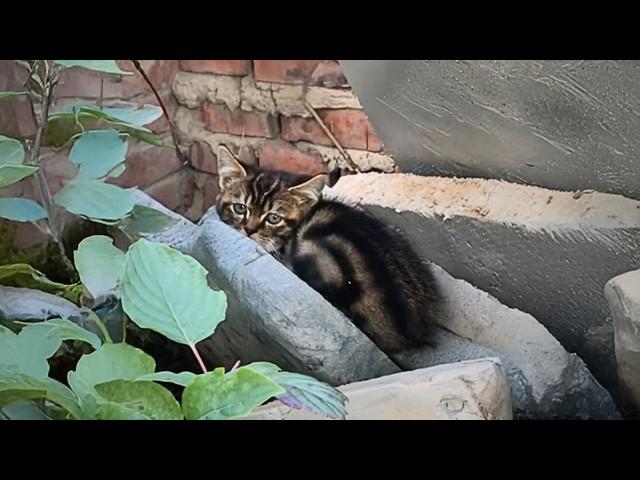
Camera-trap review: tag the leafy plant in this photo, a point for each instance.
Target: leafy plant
(151, 285)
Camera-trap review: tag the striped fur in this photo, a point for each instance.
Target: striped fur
(368, 272)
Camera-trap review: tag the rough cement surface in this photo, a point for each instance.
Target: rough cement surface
(562, 124)
(623, 295)
(544, 252)
(473, 390)
(546, 381)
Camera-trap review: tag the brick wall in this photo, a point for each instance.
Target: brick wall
(255, 107)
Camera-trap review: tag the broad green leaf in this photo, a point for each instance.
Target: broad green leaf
(307, 393)
(21, 209)
(166, 291)
(11, 151)
(96, 200)
(10, 174)
(98, 152)
(6, 95)
(12, 169)
(149, 399)
(113, 361)
(16, 387)
(143, 219)
(99, 264)
(62, 126)
(181, 378)
(265, 368)
(216, 396)
(24, 275)
(138, 116)
(106, 66)
(23, 355)
(48, 335)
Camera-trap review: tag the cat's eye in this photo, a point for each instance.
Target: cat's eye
(273, 218)
(239, 208)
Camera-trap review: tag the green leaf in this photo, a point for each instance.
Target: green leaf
(166, 291)
(99, 264)
(23, 354)
(138, 116)
(24, 275)
(96, 200)
(27, 304)
(112, 361)
(148, 399)
(11, 151)
(106, 66)
(181, 378)
(16, 387)
(98, 152)
(6, 95)
(62, 126)
(12, 169)
(10, 174)
(25, 411)
(48, 335)
(143, 219)
(216, 396)
(21, 209)
(307, 393)
(304, 392)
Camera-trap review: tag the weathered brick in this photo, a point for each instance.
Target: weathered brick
(81, 83)
(191, 89)
(57, 168)
(351, 128)
(16, 119)
(219, 119)
(175, 191)
(282, 156)
(219, 67)
(146, 164)
(366, 161)
(329, 73)
(203, 158)
(326, 73)
(322, 98)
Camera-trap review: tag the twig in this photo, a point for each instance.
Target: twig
(34, 159)
(174, 134)
(328, 133)
(235, 365)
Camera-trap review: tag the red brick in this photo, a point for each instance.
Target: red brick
(203, 158)
(326, 73)
(350, 127)
(146, 164)
(219, 119)
(81, 83)
(58, 169)
(329, 74)
(173, 191)
(16, 118)
(283, 157)
(219, 67)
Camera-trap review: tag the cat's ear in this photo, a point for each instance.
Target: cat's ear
(229, 168)
(311, 190)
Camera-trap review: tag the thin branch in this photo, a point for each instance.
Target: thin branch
(333, 139)
(174, 134)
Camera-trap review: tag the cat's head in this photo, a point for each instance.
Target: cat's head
(265, 206)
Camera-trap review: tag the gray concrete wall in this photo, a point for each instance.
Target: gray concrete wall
(564, 125)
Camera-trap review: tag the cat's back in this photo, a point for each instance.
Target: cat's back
(367, 270)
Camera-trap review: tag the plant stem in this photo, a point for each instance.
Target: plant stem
(34, 159)
(198, 358)
(103, 329)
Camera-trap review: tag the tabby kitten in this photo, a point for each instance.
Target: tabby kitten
(372, 275)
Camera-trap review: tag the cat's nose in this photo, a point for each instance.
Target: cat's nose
(250, 230)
